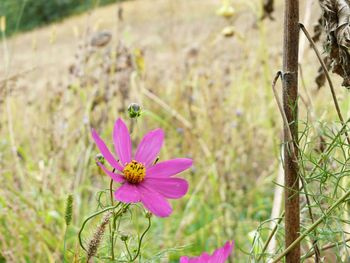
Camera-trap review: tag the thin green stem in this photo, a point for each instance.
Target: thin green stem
(141, 238)
(64, 244)
(92, 216)
(271, 235)
(112, 237)
(127, 249)
(113, 227)
(326, 247)
(312, 227)
(111, 190)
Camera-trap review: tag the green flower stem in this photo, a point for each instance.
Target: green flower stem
(127, 249)
(112, 237)
(111, 190)
(92, 216)
(312, 227)
(113, 228)
(141, 238)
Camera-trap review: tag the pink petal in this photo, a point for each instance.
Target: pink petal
(116, 177)
(228, 248)
(104, 151)
(128, 193)
(149, 147)
(205, 257)
(221, 254)
(169, 167)
(200, 259)
(173, 188)
(155, 202)
(218, 256)
(122, 141)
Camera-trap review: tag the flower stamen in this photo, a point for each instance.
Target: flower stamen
(134, 172)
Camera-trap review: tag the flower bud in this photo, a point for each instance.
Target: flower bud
(148, 214)
(99, 158)
(134, 110)
(226, 11)
(228, 31)
(124, 238)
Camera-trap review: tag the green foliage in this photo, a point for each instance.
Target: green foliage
(24, 15)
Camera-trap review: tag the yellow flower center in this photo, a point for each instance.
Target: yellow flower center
(134, 172)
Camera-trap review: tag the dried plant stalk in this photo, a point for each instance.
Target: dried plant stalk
(290, 108)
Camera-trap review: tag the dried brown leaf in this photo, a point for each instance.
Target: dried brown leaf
(318, 29)
(336, 20)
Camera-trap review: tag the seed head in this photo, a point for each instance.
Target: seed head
(97, 237)
(69, 210)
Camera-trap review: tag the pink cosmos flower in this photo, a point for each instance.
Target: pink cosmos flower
(219, 256)
(142, 180)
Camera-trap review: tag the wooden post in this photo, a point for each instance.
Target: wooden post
(290, 107)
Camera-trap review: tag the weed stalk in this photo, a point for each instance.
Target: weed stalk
(290, 107)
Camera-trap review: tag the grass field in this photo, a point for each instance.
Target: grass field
(211, 94)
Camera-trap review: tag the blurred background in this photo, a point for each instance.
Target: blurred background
(201, 74)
